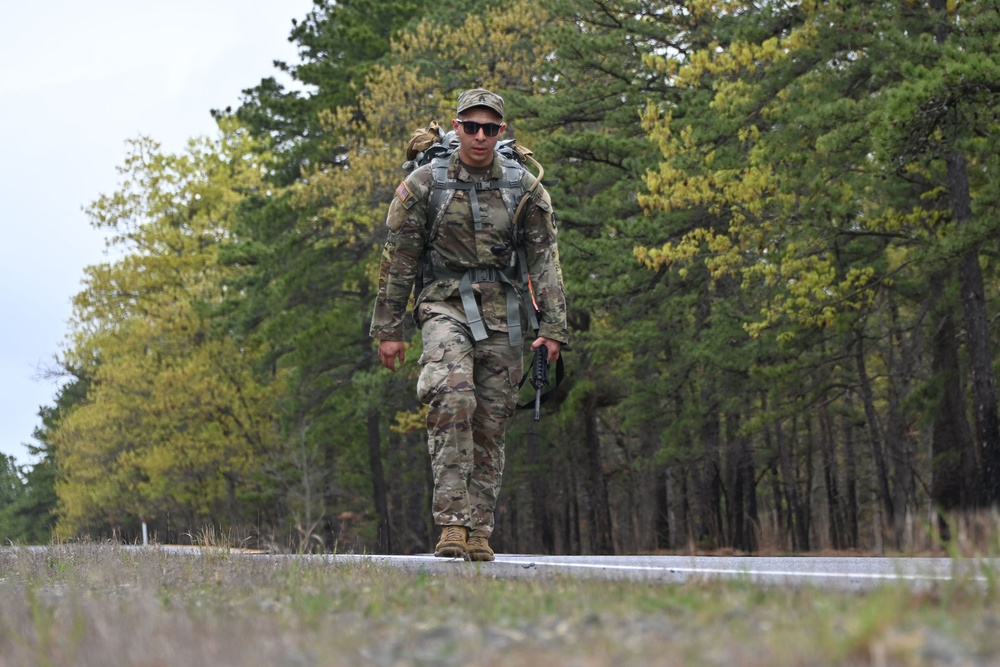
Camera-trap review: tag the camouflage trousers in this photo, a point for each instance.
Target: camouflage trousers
(471, 390)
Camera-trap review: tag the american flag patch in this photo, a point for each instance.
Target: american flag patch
(402, 192)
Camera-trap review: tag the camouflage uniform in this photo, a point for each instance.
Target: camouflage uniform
(470, 386)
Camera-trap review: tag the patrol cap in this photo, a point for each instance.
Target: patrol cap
(480, 97)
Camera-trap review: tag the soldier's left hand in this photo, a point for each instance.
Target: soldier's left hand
(553, 346)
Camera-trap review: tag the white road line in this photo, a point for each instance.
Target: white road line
(693, 570)
(772, 573)
(850, 572)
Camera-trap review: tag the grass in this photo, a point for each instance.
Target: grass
(95, 605)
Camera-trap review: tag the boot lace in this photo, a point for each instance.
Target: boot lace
(453, 534)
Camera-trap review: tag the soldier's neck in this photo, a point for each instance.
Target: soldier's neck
(476, 171)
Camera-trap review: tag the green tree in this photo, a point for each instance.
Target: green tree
(11, 491)
(828, 226)
(174, 421)
(313, 250)
(338, 43)
(943, 115)
(808, 185)
(32, 515)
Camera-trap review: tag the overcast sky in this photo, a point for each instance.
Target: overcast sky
(78, 79)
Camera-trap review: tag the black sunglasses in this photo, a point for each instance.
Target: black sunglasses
(472, 127)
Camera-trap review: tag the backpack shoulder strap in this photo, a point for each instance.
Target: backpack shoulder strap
(441, 194)
(513, 190)
(443, 190)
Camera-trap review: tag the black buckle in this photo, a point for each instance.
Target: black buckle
(484, 276)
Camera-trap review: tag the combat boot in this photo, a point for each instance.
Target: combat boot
(452, 543)
(479, 548)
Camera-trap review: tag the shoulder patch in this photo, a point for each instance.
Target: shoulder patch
(541, 199)
(405, 195)
(403, 192)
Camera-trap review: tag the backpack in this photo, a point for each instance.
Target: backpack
(428, 143)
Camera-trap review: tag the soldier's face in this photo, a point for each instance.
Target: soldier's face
(476, 149)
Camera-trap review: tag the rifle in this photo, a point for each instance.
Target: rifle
(539, 376)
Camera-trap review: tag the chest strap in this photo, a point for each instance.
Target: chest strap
(474, 188)
(444, 189)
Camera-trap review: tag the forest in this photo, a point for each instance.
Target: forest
(778, 233)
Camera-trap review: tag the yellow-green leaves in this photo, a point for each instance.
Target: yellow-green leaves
(175, 420)
(755, 158)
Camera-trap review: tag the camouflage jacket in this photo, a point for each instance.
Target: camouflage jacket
(459, 246)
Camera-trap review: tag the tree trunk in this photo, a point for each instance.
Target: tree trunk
(984, 399)
(574, 512)
(734, 462)
(782, 503)
(379, 494)
(684, 534)
(868, 402)
(710, 489)
(742, 506)
(541, 494)
(781, 510)
(600, 511)
(834, 502)
(952, 455)
(663, 514)
(798, 518)
(406, 474)
(573, 533)
(899, 447)
(850, 476)
(374, 433)
(750, 485)
(977, 335)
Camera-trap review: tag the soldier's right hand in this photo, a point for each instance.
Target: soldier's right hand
(391, 350)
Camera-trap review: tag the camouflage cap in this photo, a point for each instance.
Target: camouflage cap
(480, 97)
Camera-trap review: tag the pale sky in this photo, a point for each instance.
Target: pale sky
(78, 79)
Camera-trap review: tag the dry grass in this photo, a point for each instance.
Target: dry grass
(104, 606)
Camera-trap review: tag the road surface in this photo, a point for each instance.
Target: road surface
(857, 573)
(850, 573)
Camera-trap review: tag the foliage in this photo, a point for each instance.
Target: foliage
(174, 420)
(777, 224)
(312, 252)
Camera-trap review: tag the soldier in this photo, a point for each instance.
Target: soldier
(451, 223)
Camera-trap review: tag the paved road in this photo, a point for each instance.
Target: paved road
(843, 573)
(851, 573)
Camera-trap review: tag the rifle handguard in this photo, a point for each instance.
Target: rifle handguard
(540, 368)
(539, 376)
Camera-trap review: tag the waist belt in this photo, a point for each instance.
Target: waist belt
(474, 316)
